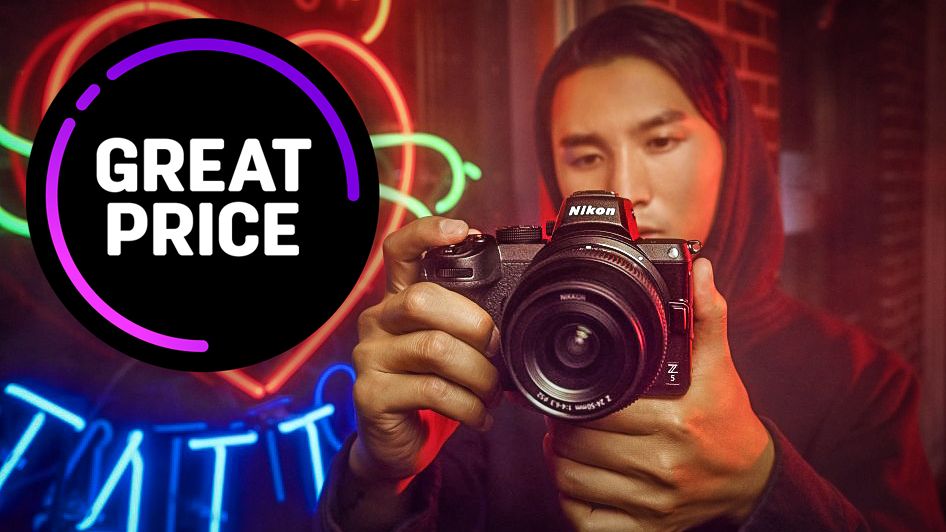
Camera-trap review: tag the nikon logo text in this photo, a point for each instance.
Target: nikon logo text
(571, 297)
(586, 210)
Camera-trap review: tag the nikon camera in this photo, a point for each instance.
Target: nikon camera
(591, 319)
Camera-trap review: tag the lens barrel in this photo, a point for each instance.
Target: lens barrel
(585, 331)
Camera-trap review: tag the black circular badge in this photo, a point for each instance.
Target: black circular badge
(202, 195)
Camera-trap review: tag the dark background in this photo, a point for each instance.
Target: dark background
(849, 94)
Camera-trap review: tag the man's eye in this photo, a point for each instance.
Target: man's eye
(585, 161)
(662, 143)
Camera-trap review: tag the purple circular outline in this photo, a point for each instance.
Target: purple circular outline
(72, 271)
(273, 62)
(113, 73)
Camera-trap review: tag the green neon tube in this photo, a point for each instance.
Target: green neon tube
(14, 142)
(459, 168)
(13, 223)
(413, 204)
(18, 144)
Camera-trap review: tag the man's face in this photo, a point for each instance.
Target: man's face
(627, 126)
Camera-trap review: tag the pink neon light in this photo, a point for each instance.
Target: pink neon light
(66, 60)
(19, 89)
(244, 382)
(380, 20)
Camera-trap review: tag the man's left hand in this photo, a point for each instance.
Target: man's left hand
(669, 463)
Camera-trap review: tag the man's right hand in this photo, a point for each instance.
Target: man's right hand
(421, 362)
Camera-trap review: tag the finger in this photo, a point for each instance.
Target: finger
(587, 517)
(386, 393)
(429, 306)
(642, 417)
(368, 326)
(603, 487)
(404, 248)
(621, 453)
(438, 353)
(710, 312)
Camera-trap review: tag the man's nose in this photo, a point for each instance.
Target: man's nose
(630, 179)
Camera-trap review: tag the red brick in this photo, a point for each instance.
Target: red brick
(770, 4)
(771, 29)
(771, 95)
(707, 9)
(901, 165)
(888, 55)
(753, 91)
(742, 19)
(730, 50)
(773, 156)
(902, 121)
(762, 61)
(770, 129)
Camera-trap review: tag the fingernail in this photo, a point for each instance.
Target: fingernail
(492, 348)
(487, 423)
(453, 227)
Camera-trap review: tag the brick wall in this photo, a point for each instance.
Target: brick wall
(901, 128)
(747, 33)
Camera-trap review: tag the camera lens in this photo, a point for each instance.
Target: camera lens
(584, 357)
(584, 333)
(576, 346)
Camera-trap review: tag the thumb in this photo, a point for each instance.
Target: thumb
(404, 248)
(709, 315)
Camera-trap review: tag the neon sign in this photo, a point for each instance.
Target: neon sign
(80, 35)
(380, 19)
(20, 145)
(184, 473)
(219, 444)
(130, 475)
(66, 60)
(130, 457)
(307, 422)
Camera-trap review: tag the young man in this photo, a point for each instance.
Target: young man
(640, 102)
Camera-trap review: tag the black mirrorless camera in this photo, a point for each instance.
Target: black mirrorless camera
(591, 319)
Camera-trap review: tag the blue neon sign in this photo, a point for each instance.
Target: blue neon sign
(118, 500)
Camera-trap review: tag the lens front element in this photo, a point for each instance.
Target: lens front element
(576, 346)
